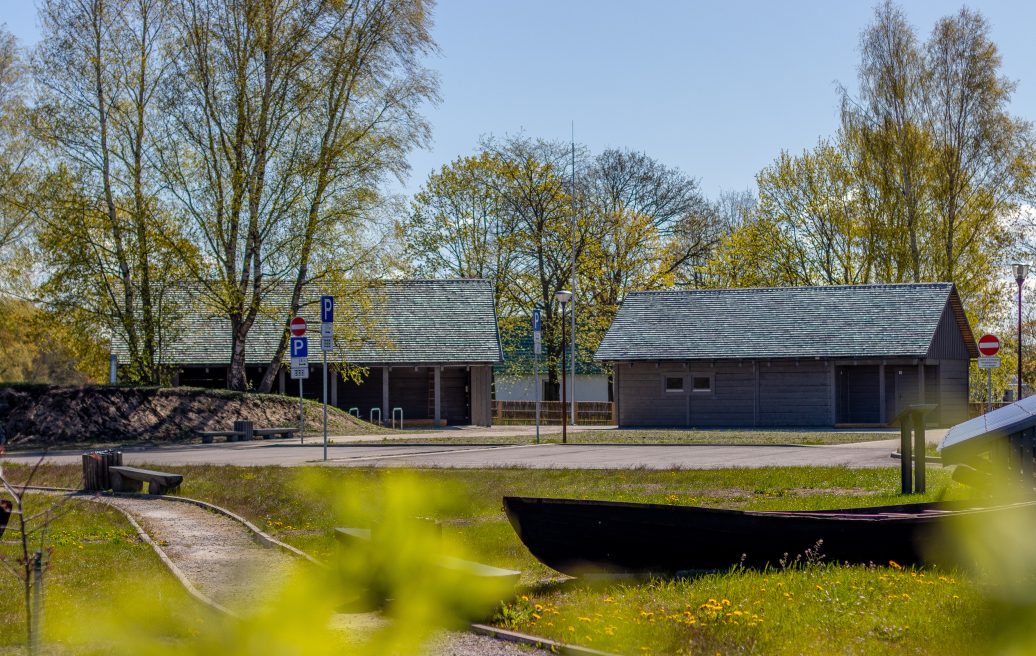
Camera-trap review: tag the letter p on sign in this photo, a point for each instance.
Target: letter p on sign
(327, 309)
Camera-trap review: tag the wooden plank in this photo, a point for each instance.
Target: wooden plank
(882, 401)
(906, 480)
(385, 410)
(920, 450)
(437, 383)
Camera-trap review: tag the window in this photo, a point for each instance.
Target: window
(673, 383)
(702, 384)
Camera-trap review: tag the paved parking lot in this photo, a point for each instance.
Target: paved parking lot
(542, 456)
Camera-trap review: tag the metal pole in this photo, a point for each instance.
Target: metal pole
(536, 366)
(990, 388)
(302, 417)
(37, 606)
(1020, 281)
(575, 291)
(564, 382)
(325, 405)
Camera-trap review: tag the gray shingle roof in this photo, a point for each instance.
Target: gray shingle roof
(852, 321)
(394, 322)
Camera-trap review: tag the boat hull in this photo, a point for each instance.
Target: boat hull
(579, 537)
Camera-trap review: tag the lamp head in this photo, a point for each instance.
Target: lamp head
(1020, 271)
(563, 296)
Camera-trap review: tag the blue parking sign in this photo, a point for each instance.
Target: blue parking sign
(536, 325)
(327, 309)
(299, 347)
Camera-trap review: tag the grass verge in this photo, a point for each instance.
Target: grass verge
(808, 608)
(93, 548)
(677, 436)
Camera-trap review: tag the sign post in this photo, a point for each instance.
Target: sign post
(327, 342)
(989, 346)
(536, 349)
(300, 366)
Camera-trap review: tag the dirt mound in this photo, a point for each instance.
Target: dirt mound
(94, 414)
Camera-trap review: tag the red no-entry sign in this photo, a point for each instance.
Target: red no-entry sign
(989, 345)
(298, 326)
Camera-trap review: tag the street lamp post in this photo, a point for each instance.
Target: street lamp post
(1020, 272)
(563, 296)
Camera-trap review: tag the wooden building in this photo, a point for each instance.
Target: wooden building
(795, 356)
(427, 347)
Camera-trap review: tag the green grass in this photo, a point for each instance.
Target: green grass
(92, 546)
(677, 436)
(805, 609)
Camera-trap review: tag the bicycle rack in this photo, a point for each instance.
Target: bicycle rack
(355, 412)
(373, 410)
(400, 410)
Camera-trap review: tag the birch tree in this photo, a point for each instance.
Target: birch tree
(284, 116)
(113, 249)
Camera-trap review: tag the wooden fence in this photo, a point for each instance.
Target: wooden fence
(510, 413)
(979, 409)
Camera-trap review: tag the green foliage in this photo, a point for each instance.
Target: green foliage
(37, 346)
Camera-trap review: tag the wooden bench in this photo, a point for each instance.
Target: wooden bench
(207, 437)
(244, 429)
(284, 432)
(132, 479)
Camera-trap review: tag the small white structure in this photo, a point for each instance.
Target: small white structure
(522, 387)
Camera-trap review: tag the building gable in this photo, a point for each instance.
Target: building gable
(851, 321)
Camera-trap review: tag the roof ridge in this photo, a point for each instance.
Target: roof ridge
(426, 280)
(714, 290)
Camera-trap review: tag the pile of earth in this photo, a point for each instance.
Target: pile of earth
(47, 415)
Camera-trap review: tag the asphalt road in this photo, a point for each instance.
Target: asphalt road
(542, 456)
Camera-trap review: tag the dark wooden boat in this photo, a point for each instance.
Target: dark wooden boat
(579, 537)
(5, 514)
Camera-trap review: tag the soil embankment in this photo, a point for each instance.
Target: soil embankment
(48, 416)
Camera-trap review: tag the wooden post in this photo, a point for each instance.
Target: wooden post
(920, 449)
(385, 410)
(95, 469)
(906, 480)
(247, 429)
(882, 403)
(436, 382)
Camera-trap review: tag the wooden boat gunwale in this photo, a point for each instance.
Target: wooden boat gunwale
(573, 535)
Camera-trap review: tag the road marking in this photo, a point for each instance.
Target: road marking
(440, 452)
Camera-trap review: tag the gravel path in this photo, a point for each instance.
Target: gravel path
(214, 552)
(220, 558)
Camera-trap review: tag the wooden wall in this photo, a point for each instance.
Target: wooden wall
(785, 393)
(743, 393)
(954, 387)
(482, 395)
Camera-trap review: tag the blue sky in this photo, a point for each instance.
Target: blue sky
(716, 89)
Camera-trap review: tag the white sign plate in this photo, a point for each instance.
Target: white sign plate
(327, 329)
(299, 368)
(327, 343)
(989, 362)
(537, 344)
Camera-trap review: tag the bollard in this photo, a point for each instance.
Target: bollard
(906, 480)
(913, 447)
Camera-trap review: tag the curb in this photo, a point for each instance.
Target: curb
(268, 541)
(935, 460)
(532, 641)
(173, 569)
